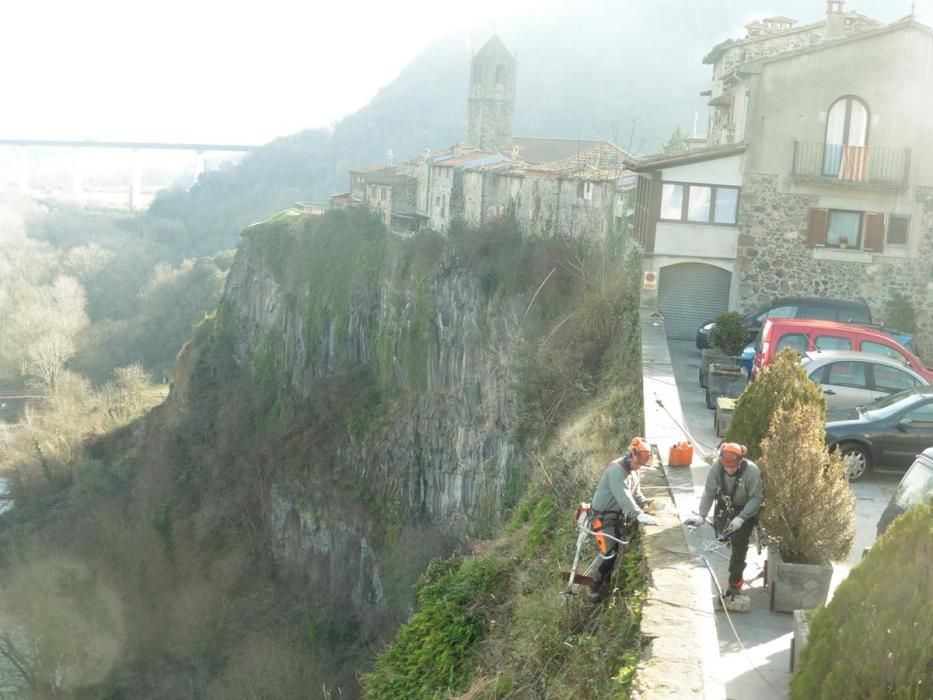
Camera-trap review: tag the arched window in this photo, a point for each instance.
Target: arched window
(500, 74)
(846, 125)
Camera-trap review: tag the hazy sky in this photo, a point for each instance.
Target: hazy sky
(211, 71)
(202, 70)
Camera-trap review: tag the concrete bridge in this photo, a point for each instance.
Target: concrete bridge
(135, 185)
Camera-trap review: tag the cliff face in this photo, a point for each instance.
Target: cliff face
(418, 432)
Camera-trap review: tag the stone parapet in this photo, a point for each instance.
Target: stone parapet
(677, 620)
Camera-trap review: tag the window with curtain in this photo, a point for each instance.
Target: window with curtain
(845, 153)
(843, 229)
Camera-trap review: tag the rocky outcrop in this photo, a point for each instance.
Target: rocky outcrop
(432, 446)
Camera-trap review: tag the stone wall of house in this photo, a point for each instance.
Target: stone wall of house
(552, 206)
(773, 259)
(404, 196)
(438, 197)
(923, 296)
(379, 199)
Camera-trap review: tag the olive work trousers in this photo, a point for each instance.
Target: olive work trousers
(739, 544)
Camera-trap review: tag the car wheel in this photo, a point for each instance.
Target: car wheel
(857, 460)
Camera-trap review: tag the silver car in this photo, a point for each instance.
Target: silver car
(853, 378)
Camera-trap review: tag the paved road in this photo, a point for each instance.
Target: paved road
(761, 669)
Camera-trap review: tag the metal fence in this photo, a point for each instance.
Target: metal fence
(857, 165)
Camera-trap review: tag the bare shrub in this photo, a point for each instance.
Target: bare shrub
(809, 509)
(267, 668)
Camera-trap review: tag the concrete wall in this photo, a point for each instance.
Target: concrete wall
(721, 171)
(725, 122)
(696, 240)
(791, 97)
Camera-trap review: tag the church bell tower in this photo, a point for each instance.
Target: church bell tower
(491, 103)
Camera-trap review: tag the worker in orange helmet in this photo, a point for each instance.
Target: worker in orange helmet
(618, 506)
(735, 484)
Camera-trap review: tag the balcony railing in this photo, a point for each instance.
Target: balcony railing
(868, 166)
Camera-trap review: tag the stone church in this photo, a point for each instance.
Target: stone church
(550, 186)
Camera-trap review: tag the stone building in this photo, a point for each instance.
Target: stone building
(491, 102)
(576, 196)
(767, 37)
(383, 188)
(828, 167)
(551, 186)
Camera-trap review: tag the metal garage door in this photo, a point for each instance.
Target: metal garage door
(690, 294)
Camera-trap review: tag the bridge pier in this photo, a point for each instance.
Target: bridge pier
(136, 182)
(24, 169)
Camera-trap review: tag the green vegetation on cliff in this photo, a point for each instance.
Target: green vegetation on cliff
(513, 634)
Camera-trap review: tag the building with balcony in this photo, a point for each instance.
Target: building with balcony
(826, 147)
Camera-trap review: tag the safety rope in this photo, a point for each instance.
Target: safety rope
(735, 632)
(710, 451)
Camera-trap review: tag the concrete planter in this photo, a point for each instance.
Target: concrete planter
(711, 356)
(797, 586)
(799, 640)
(727, 381)
(722, 419)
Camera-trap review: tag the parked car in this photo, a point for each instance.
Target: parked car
(915, 487)
(795, 307)
(805, 334)
(853, 378)
(903, 337)
(885, 434)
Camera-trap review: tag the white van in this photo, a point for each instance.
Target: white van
(915, 487)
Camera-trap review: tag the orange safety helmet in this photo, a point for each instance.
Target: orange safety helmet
(731, 454)
(638, 448)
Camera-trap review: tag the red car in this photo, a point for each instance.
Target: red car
(804, 334)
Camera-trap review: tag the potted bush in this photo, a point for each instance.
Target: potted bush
(809, 510)
(720, 372)
(727, 339)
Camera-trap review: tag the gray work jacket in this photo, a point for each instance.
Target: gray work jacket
(619, 489)
(748, 493)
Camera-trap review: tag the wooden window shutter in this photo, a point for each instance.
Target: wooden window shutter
(874, 232)
(816, 227)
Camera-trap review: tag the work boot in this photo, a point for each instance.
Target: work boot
(597, 590)
(735, 588)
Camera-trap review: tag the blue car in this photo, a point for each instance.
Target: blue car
(795, 307)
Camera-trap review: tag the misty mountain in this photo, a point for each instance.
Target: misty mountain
(625, 71)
